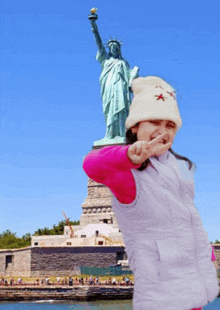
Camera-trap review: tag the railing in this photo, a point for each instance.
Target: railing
(111, 271)
(101, 283)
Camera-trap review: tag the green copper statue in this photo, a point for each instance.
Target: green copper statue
(115, 81)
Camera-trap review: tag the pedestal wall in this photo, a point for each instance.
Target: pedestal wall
(63, 260)
(97, 206)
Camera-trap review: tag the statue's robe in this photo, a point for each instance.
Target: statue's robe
(115, 81)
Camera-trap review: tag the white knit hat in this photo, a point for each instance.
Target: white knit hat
(153, 98)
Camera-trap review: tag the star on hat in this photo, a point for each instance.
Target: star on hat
(160, 97)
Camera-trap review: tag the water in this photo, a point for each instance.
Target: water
(97, 305)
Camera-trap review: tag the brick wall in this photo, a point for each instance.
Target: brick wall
(48, 261)
(2, 263)
(20, 265)
(22, 262)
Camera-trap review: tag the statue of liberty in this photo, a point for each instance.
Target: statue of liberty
(115, 81)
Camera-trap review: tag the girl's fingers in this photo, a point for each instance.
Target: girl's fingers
(157, 139)
(160, 149)
(141, 148)
(138, 149)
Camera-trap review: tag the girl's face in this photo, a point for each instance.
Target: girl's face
(149, 130)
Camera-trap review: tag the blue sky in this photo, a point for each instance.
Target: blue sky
(51, 111)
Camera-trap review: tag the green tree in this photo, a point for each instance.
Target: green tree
(9, 240)
(27, 238)
(56, 229)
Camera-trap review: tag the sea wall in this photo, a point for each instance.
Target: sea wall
(85, 293)
(65, 293)
(49, 261)
(56, 261)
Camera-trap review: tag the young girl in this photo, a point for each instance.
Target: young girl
(153, 191)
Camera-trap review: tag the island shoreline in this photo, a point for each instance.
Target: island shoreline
(78, 293)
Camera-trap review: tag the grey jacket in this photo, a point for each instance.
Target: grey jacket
(167, 246)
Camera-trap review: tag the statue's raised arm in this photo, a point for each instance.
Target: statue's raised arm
(93, 17)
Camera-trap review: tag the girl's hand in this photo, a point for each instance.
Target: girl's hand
(139, 151)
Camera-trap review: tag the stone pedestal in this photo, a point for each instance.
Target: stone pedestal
(97, 206)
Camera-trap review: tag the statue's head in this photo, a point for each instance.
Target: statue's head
(114, 48)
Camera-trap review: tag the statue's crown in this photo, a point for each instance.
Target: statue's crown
(111, 41)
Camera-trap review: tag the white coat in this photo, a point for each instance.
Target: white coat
(167, 246)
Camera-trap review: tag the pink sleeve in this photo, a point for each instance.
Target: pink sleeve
(213, 254)
(98, 164)
(112, 167)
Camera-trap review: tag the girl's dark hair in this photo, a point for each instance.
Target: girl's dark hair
(132, 138)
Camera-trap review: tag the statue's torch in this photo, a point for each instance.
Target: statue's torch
(93, 15)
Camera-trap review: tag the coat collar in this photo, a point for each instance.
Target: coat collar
(162, 158)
